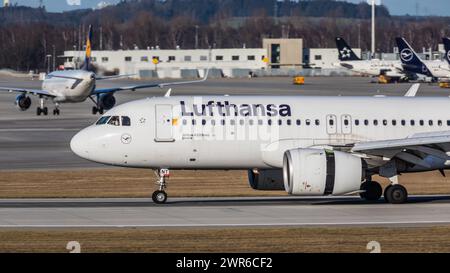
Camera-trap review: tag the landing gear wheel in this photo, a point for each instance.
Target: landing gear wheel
(56, 112)
(94, 110)
(159, 197)
(38, 111)
(396, 194)
(45, 111)
(101, 111)
(373, 191)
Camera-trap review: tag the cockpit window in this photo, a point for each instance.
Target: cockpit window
(115, 120)
(103, 120)
(126, 121)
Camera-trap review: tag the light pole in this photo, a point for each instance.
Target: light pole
(49, 56)
(373, 29)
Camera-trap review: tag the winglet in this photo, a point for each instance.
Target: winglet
(413, 90)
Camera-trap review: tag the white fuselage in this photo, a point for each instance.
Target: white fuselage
(439, 69)
(69, 86)
(374, 67)
(162, 135)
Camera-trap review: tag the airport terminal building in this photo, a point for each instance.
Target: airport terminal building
(275, 57)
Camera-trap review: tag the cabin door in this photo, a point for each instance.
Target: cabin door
(163, 123)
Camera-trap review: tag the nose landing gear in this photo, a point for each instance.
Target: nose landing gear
(56, 111)
(160, 196)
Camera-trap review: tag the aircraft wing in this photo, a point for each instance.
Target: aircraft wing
(142, 86)
(412, 149)
(36, 92)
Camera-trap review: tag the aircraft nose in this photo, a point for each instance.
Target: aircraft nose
(79, 146)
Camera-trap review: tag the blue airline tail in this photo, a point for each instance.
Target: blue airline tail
(411, 62)
(87, 59)
(447, 49)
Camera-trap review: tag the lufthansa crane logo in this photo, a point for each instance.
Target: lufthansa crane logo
(126, 139)
(406, 55)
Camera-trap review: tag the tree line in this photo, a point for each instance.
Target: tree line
(26, 40)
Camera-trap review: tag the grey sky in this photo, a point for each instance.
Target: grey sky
(397, 7)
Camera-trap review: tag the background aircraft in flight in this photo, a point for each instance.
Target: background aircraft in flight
(304, 145)
(73, 86)
(374, 67)
(411, 62)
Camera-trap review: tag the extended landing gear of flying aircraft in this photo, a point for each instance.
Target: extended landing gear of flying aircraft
(371, 190)
(160, 196)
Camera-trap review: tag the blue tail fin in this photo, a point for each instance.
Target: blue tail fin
(447, 49)
(411, 62)
(87, 59)
(346, 53)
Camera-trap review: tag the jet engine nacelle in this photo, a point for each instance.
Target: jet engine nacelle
(23, 102)
(321, 172)
(266, 180)
(107, 101)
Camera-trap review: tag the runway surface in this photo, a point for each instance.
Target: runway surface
(221, 212)
(31, 142)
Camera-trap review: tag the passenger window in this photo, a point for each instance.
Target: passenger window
(194, 122)
(103, 120)
(250, 122)
(421, 122)
(366, 122)
(288, 122)
(357, 122)
(242, 122)
(308, 122)
(280, 122)
(413, 122)
(439, 122)
(222, 122)
(260, 122)
(346, 122)
(298, 122)
(403, 122)
(385, 122)
(126, 121)
(184, 122)
(375, 122)
(269, 122)
(448, 122)
(115, 120)
(213, 122)
(394, 122)
(203, 121)
(430, 122)
(317, 122)
(232, 122)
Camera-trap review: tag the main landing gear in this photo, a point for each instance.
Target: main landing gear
(56, 110)
(394, 193)
(41, 108)
(160, 196)
(97, 108)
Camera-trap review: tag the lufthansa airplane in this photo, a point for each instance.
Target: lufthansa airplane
(374, 67)
(73, 86)
(307, 146)
(411, 62)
